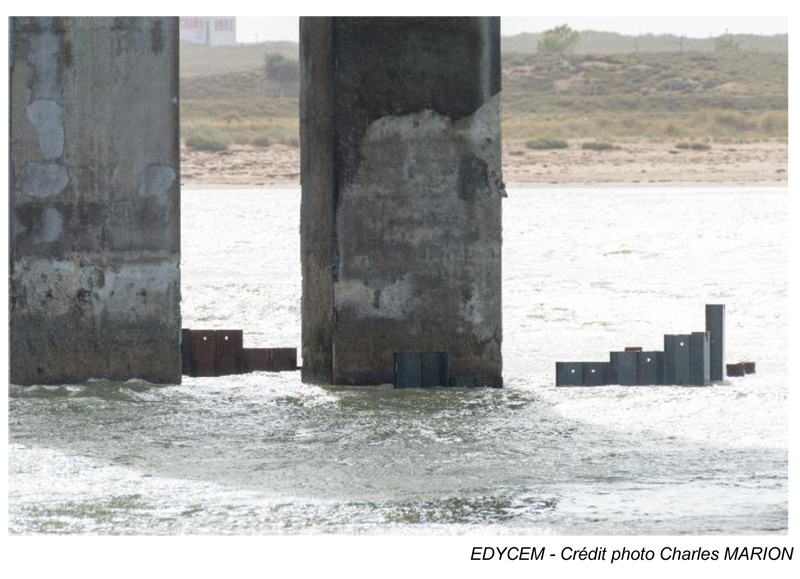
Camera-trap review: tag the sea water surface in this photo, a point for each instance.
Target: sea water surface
(584, 272)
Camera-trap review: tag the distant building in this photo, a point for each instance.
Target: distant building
(209, 30)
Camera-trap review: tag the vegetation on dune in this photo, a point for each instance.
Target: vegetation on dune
(205, 143)
(259, 131)
(693, 146)
(646, 81)
(543, 143)
(250, 94)
(598, 42)
(261, 142)
(727, 43)
(719, 96)
(600, 146)
(281, 69)
(558, 40)
(198, 60)
(716, 125)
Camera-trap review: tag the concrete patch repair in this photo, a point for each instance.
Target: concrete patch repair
(401, 235)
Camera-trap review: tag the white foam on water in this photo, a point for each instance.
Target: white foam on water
(585, 272)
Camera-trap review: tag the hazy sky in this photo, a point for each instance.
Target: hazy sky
(252, 29)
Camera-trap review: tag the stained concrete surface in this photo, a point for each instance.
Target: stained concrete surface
(401, 233)
(94, 229)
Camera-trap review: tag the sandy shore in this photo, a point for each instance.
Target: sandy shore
(241, 167)
(638, 164)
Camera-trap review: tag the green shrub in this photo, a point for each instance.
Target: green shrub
(693, 146)
(775, 122)
(734, 121)
(282, 69)
(558, 40)
(544, 143)
(673, 131)
(200, 143)
(600, 146)
(726, 43)
(233, 118)
(262, 141)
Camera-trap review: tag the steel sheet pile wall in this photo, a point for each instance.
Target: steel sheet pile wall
(694, 359)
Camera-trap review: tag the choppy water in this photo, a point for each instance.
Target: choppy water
(584, 272)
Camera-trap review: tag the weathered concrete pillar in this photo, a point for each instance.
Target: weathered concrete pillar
(94, 228)
(402, 186)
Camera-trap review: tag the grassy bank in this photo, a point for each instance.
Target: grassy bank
(651, 96)
(228, 98)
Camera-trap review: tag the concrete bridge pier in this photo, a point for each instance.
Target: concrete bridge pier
(94, 224)
(401, 228)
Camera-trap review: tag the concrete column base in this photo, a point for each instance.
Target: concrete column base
(402, 185)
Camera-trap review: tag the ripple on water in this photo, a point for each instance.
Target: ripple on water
(264, 453)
